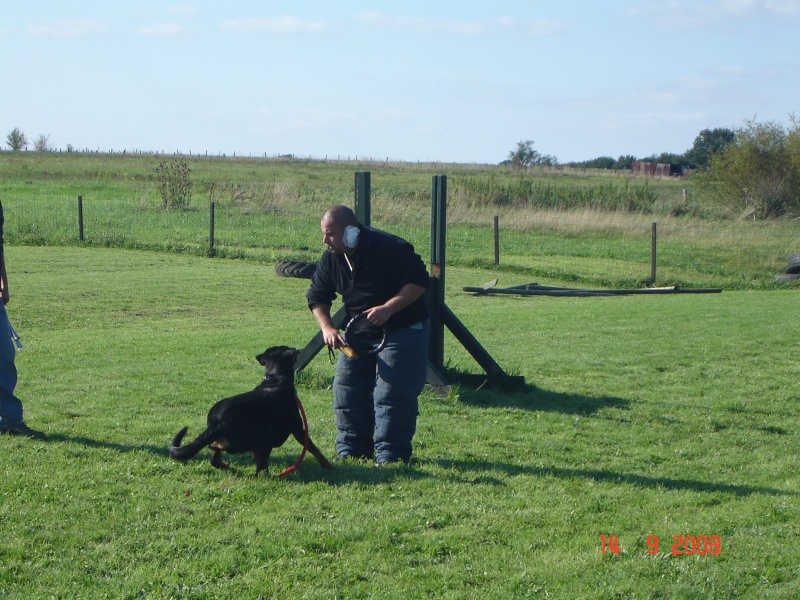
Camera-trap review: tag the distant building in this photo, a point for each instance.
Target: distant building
(641, 167)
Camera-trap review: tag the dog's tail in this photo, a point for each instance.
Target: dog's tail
(178, 452)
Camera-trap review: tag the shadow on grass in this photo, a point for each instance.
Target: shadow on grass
(464, 471)
(529, 397)
(666, 483)
(117, 447)
(242, 465)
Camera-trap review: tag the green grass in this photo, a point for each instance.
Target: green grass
(657, 415)
(267, 210)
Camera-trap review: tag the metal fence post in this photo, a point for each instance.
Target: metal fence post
(653, 254)
(496, 240)
(436, 291)
(362, 197)
(80, 218)
(211, 227)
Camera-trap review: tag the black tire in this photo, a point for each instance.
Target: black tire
(793, 264)
(295, 268)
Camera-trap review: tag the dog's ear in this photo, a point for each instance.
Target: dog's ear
(291, 354)
(278, 353)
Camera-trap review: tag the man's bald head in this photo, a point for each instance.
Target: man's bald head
(340, 215)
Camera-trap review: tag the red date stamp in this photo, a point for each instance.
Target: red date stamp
(681, 545)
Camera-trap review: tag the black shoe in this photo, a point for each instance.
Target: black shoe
(24, 431)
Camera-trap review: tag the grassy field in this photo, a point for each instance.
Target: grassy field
(669, 417)
(585, 228)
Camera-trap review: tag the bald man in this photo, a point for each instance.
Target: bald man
(375, 397)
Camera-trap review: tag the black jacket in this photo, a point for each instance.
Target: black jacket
(382, 264)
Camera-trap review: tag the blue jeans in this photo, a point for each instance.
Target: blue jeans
(10, 405)
(376, 398)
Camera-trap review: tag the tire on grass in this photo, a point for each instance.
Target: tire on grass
(295, 268)
(793, 264)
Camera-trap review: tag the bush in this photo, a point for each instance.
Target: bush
(758, 175)
(174, 184)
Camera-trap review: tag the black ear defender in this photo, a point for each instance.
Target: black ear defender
(351, 236)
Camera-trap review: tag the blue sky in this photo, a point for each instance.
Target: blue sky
(417, 81)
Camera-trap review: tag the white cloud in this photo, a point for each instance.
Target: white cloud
(419, 25)
(536, 28)
(686, 13)
(69, 28)
(286, 24)
(783, 7)
(163, 29)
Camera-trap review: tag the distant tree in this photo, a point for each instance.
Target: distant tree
(16, 140)
(42, 143)
(547, 160)
(757, 175)
(707, 143)
(666, 157)
(524, 155)
(602, 162)
(625, 162)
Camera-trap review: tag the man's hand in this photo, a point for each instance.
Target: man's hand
(330, 334)
(332, 337)
(378, 315)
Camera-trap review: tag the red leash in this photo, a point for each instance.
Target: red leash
(305, 441)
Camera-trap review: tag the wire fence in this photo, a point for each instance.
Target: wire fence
(589, 248)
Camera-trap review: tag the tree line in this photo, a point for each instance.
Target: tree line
(707, 143)
(752, 171)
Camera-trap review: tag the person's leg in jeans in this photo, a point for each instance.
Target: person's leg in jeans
(10, 405)
(353, 409)
(402, 371)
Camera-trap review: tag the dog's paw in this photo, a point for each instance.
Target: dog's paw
(217, 462)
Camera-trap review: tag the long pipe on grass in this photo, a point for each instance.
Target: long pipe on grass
(532, 290)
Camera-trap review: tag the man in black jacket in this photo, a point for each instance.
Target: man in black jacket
(375, 397)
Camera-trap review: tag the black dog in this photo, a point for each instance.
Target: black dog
(256, 421)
